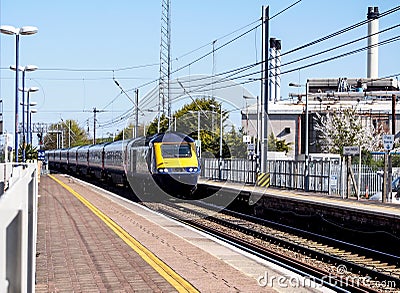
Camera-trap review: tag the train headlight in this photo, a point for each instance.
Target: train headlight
(163, 170)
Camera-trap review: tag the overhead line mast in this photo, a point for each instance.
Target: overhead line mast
(164, 103)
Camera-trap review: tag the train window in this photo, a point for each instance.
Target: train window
(176, 151)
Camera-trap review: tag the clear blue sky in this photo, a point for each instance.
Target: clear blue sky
(81, 45)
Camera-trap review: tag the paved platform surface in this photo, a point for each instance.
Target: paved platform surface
(368, 206)
(78, 252)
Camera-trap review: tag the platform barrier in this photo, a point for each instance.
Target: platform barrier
(18, 227)
(263, 179)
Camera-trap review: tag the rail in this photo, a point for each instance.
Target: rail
(18, 227)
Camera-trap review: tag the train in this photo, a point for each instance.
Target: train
(164, 162)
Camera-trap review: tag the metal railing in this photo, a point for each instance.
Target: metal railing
(18, 224)
(234, 170)
(325, 176)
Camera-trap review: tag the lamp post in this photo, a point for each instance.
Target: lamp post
(24, 69)
(28, 90)
(198, 131)
(306, 154)
(32, 111)
(29, 122)
(10, 30)
(247, 113)
(220, 142)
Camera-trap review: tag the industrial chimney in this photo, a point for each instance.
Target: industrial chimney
(373, 38)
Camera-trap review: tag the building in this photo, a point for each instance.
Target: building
(287, 117)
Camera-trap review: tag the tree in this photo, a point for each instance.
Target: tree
(30, 153)
(234, 140)
(65, 132)
(345, 128)
(278, 145)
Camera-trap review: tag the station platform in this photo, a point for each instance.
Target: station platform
(348, 218)
(257, 193)
(90, 240)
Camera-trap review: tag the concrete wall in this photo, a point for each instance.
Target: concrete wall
(18, 224)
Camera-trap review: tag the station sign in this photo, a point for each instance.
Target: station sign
(246, 138)
(351, 150)
(41, 155)
(388, 141)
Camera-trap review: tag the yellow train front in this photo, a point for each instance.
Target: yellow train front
(165, 162)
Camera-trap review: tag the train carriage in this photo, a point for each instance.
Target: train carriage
(175, 162)
(64, 160)
(167, 161)
(82, 155)
(96, 160)
(57, 159)
(49, 154)
(115, 161)
(73, 159)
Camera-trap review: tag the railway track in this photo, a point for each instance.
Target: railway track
(333, 262)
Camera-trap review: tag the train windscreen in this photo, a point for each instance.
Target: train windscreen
(176, 151)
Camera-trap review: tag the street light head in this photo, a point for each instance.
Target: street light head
(13, 68)
(30, 68)
(24, 68)
(33, 110)
(28, 30)
(294, 84)
(33, 89)
(33, 104)
(8, 30)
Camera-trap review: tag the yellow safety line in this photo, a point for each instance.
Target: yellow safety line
(163, 269)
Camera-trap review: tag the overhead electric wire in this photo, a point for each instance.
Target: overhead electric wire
(349, 28)
(216, 49)
(388, 41)
(315, 42)
(213, 51)
(283, 10)
(325, 38)
(337, 47)
(244, 68)
(234, 39)
(219, 38)
(384, 42)
(99, 69)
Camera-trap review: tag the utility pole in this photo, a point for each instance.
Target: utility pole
(390, 166)
(136, 113)
(264, 89)
(95, 111)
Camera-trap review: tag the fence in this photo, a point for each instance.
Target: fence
(325, 176)
(234, 170)
(18, 222)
